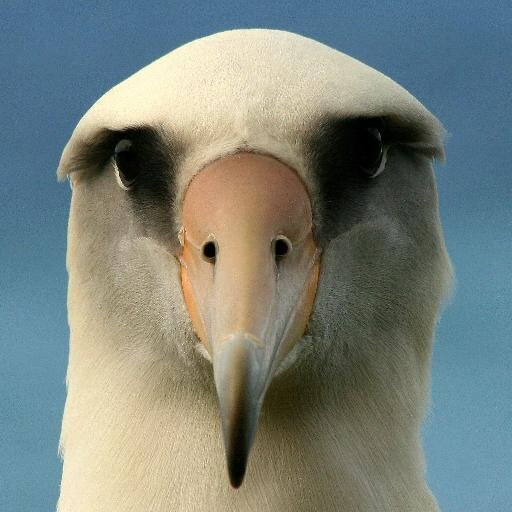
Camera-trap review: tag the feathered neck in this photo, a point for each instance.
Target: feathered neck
(136, 438)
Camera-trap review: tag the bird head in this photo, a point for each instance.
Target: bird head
(258, 204)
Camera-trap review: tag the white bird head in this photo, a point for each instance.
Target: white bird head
(258, 211)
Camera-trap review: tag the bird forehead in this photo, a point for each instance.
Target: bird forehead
(245, 78)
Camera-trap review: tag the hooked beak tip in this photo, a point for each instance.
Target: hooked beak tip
(240, 389)
(238, 439)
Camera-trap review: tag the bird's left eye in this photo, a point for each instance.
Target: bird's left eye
(371, 152)
(125, 163)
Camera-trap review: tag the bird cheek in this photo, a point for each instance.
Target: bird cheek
(303, 309)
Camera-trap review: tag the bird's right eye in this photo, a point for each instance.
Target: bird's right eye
(126, 165)
(370, 152)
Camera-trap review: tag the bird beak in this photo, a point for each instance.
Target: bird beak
(249, 271)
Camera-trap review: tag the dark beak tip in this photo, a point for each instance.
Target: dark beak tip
(236, 482)
(236, 475)
(237, 458)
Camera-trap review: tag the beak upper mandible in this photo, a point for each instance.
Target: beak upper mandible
(249, 297)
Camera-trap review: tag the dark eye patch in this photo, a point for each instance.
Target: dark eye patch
(153, 159)
(345, 154)
(150, 161)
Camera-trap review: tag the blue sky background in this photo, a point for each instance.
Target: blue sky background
(57, 58)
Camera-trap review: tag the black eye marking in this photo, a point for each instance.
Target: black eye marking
(345, 154)
(144, 160)
(126, 163)
(154, 153)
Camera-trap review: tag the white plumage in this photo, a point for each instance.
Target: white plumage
(339, 427)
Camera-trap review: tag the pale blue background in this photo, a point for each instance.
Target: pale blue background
(57, 58)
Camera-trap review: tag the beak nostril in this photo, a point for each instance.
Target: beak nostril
(210, 251)
(281, 246)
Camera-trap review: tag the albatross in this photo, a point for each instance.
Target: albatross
(256, 266)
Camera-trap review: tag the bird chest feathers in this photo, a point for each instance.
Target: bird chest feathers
(255, 266)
